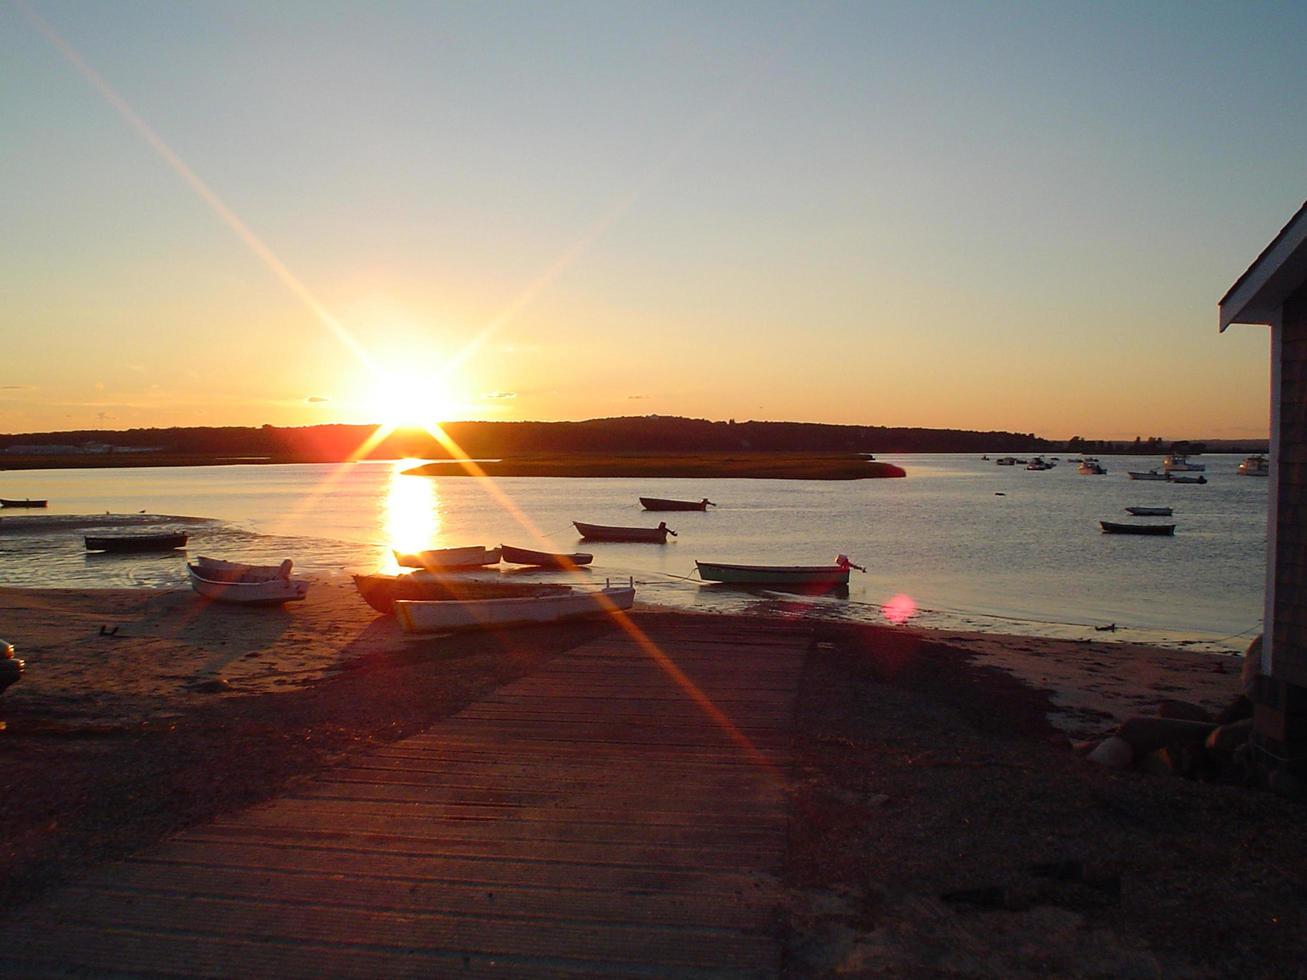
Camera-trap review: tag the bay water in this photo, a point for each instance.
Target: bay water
(959, 543)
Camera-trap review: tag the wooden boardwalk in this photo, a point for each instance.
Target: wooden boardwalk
(590, 819)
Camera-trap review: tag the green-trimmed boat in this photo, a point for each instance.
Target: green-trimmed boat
(816, 575)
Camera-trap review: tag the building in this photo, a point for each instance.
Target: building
(1273, 291)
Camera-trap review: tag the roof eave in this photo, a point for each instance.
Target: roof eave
(1258, 294)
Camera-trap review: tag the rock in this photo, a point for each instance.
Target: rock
(1147, 734)
(1158, 763)
(1182, 710)
(1113, 752)
(1229, 737)
(1238, 709)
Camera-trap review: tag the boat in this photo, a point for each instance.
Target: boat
(1255, 466)
(821, 575)
(449, 558)
(658, 503)
(1179, 463)
(440, 617)
(23, 503)
(11, 668)
(242, 584)
(1006, 461)
(1188, 479)
(1149, 511)
(381, 591)
(1150, 475)
(1111, 528)
(543, 559)
(1091, 467)
(125, 543)
(1038, 464)
(602, 532)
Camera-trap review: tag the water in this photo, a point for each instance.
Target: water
(1030, 560)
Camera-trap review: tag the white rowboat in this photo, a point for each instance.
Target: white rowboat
(249, 585)
(440, 617)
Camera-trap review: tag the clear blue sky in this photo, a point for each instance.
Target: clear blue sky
(975, 215)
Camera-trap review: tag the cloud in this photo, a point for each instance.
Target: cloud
(316, 399)
(16, 387)
(637, 398)
(500, 394)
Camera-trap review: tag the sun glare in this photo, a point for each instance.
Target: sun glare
(413, 510)
(408, 401)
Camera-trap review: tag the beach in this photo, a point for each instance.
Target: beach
(929, 765)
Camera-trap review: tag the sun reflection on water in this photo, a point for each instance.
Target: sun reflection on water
(413, 510)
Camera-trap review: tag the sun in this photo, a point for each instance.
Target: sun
(409, 400)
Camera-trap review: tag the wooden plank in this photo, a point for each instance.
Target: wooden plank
(587, 820)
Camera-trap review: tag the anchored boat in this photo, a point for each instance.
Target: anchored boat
(658, 503)
(25, 502)
(1111, 528)
(440, 617)
(125, 543)
(1252, 466)
(603, 532)
(1149, 511)
(447, 559)
(818, 575)
(543, 559)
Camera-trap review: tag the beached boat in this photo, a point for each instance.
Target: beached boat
(1187, 479)
(543, 559)
(11, 668)
(447, 559)
(1179, 463)
(1111, 528)
(249, 585)
(822, 575)
(381, 591)
(23, 503)
(658, 503)
(1091, 467)
(1255, 466)
(603, 532)
(1149, 511)
(439, 617)
(125, 543)
(1150, 475)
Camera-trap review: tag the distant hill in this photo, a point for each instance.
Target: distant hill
(649, 434)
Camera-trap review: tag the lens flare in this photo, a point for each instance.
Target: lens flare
(899, 609)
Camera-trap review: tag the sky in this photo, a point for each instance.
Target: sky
(993, 215)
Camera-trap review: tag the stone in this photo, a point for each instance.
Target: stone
(1113, 752)
(1183, 710)
(1229, 737)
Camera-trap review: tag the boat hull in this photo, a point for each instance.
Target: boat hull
(270, 592)
(1150, 475)
(447, 559)
(382, 591)
(658, 503)
(1149, 511)
(601, 532)
(124, 544)
(441, 617)
(24, 503)
(1154, 529)
(543, 559)
(828, 576)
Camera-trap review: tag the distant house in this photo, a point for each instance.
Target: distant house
(1273, 291)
